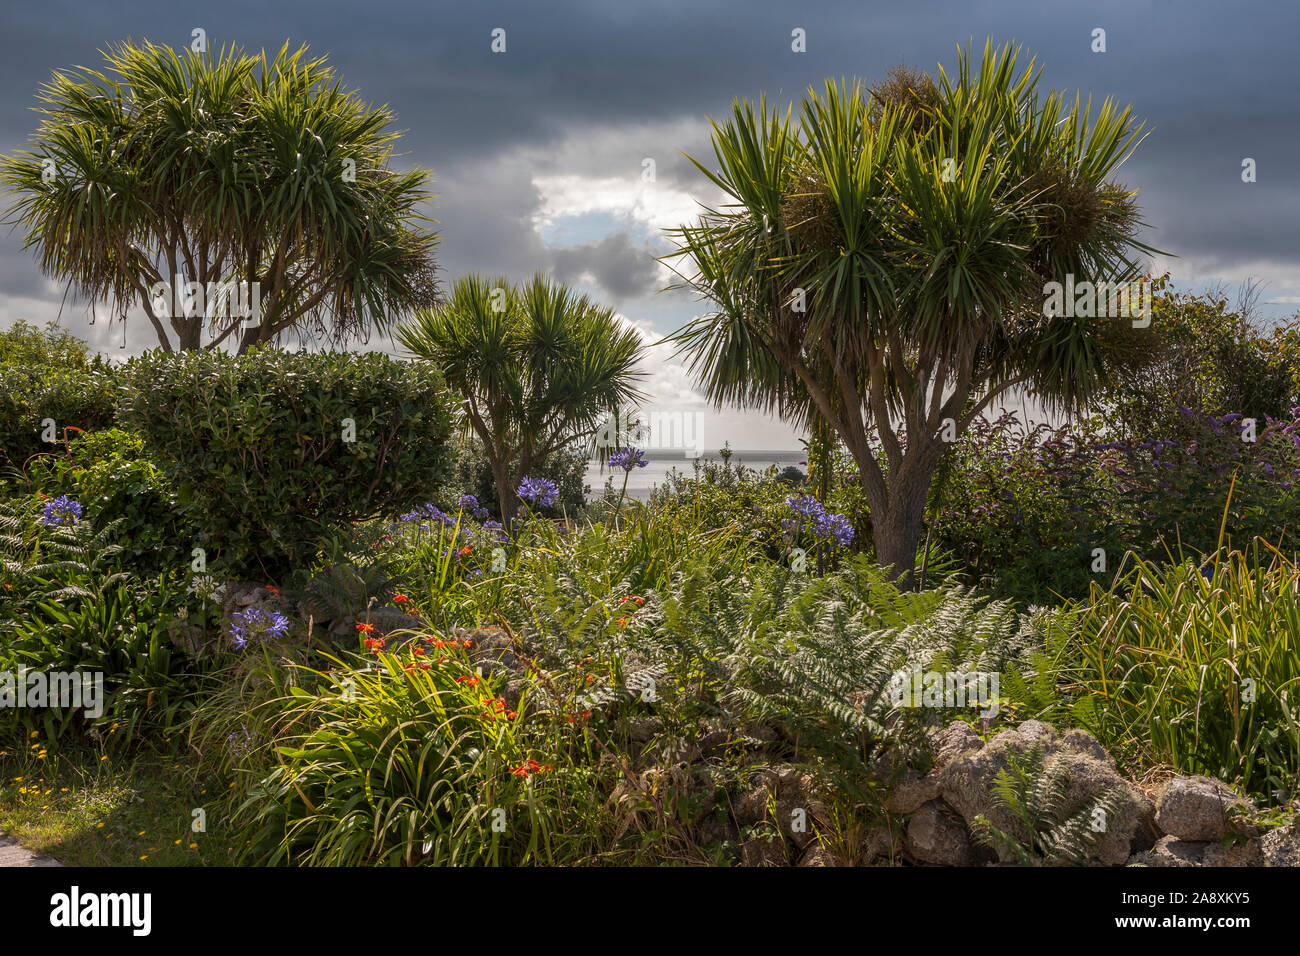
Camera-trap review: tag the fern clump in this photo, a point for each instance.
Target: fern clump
(1048, 828)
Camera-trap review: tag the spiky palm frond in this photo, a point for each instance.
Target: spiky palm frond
(223, 167)
(539, 365)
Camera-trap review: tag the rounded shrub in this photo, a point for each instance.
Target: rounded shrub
(273, 453)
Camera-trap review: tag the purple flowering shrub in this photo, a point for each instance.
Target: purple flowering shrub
(1023, 511)
(1181, 488)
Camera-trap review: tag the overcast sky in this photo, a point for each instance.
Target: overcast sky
(537, 153)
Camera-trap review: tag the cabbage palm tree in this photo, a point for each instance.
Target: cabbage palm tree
(222, 169)
(880, 265)
(539, 365)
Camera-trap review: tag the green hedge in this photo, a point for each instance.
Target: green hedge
(256, 445)
(46, 373)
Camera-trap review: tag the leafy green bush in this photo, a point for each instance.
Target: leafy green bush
(712, 496)
(48, 375)
(68, 607)
(110, 474)
(1207, 358)
(259, 445)
(1025, 510)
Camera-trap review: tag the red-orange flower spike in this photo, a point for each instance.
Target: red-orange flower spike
(365, 628)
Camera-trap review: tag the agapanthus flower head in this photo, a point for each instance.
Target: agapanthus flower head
(628, 458)
(806, 506)
(62, 511)
(466, 502)
(540, 492)
(480, 514)
(257, 623)
(206, 587)
(428, 511)
(834, 528)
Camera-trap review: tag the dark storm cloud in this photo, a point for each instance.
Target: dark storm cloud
(1215, 82)
(622, 269)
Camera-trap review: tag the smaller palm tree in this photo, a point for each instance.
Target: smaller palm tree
(538, 364)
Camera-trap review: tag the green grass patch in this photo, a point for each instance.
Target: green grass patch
(87, 807)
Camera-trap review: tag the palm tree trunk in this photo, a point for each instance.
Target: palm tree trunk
(507, 500)
(898, 521)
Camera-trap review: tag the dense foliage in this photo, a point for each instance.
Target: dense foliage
(273, 452)
(51, 388)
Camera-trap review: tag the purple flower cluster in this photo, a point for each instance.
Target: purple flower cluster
(470, 503)
(628, 458)
(429, 512)
(256, 624)
(62, 511)
(806, 506)
(540, 492)
(826, 526)
(242, 741)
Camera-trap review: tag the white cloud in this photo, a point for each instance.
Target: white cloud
(654, 205)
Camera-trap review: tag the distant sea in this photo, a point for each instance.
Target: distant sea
(642, 480)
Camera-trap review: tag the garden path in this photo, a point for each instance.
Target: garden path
(11, 854)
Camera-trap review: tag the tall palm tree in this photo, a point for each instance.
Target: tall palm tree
(880, 264)
(538, 364)
(222, 169)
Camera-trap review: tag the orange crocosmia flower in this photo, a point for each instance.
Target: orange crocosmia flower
(365, 628)
(275, 591)
(400, 598)
(466, 550)
(417, 651)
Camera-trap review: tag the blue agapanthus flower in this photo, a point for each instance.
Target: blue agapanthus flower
(835, 528)
(628, 458)
(806, 506)
(480, 514)
(467, 503)
(429, 511)
(62, 511)
(257, 624)
(826, 526)
(540, 492)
